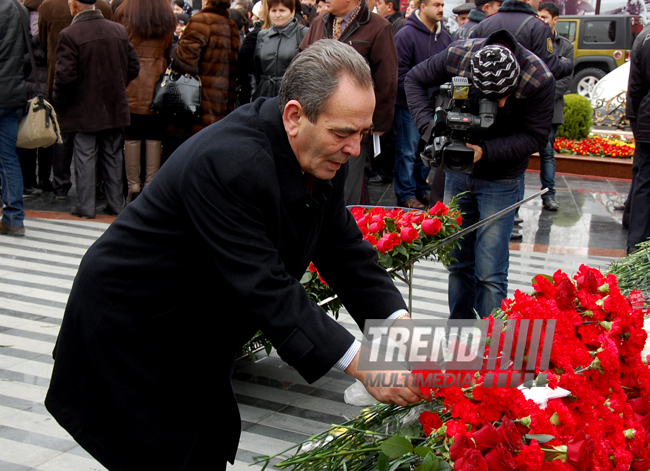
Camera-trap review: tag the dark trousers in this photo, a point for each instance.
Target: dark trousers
(102, 149)
(28, 159)
(358, 174)
(639, 200)
(61, 162)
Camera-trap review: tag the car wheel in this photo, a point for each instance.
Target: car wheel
(584, 82)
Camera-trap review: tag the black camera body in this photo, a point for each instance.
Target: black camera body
(452, 125)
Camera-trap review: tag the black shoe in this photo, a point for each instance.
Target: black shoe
(46, 186)
(516, 236)
(77, 214)
(60, 197)
(549, 203)
(109, 212)
(29, 192)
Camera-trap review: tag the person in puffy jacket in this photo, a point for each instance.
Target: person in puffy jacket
(151, 25)
(276, 47)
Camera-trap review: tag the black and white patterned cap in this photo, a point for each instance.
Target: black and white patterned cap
(495, 71)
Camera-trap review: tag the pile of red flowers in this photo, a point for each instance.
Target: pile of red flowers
(604, 424)
(596, 146)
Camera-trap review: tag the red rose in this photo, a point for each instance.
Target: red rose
(462, 443)
(487, 437)
(408, 234)
(439, 209)
(371, 238)
(375, 227)
(580, 452)
(472, 460)
(385, 244)
(509, 434)
(430, 422)
(500, 459)
(312, 267)
(431, 226)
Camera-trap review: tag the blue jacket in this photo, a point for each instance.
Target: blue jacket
(521, 127)
(416, 43)
(536, 36)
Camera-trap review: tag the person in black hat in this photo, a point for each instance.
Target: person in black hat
(523, 86)
(462, 12)
(95, 61)
(482, 9)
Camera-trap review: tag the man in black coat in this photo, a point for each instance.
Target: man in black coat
(209, 253)
(638, 112)
(95, 61)
(529, 30)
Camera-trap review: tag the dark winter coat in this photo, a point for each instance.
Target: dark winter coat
(276, 48)
(12, 56)
(397, 20)
(95, 63)
(416, 43)
(208, 48)
(564, 48)
(474, 18)
(213, 251)
(638, 88)
(521, 127)
(536, 35)
(53, 16)
(37, 80)
(372, 37)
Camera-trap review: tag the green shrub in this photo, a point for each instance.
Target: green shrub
(577, 118)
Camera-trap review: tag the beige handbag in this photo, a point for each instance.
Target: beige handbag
(39, 127)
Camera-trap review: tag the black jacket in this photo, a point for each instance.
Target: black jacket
(209, 253)
(521, 127)
(12, 54)
(638, 88)
(536, 36)
(475, 17)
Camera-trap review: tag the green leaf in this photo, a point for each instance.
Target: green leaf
(541, 438)
(410, 431)
(395, 447)
(422, 451)
(444, 466)
(306, 278)
(382, 462)
(430, 463)
(401, 249)
(385, 260)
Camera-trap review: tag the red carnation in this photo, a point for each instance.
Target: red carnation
(430, 422)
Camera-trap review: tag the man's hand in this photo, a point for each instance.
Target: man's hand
(478, 151)
(402, 393)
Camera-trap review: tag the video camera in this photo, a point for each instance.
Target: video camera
(451, 127)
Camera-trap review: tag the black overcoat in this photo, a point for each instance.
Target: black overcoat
(210, 252)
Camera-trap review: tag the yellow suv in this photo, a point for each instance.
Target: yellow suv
(601, 44)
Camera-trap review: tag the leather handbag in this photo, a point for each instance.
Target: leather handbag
(38, 127)
(177, 93)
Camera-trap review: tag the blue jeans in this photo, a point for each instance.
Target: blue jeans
(479, 278)
(547, 164)
(410, 172)
(11, 178)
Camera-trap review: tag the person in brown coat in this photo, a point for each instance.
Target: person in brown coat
(53, 17)
(372, 37)
(95, 63)
(208, 48)
(151, 25)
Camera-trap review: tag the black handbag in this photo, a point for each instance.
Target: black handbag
(177, 93)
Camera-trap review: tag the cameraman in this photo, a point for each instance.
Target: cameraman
(501, 70)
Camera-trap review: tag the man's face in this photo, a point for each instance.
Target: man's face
(340, 7)
(383, 8)
(534, 4)
(321, 7)
(462, 18)
(432, 11)
(324, 146)
(490, 8)
(546, 16)
(177, 9)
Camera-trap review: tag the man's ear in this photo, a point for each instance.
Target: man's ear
(293, 112)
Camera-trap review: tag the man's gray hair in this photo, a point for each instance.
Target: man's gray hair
(314, 75)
